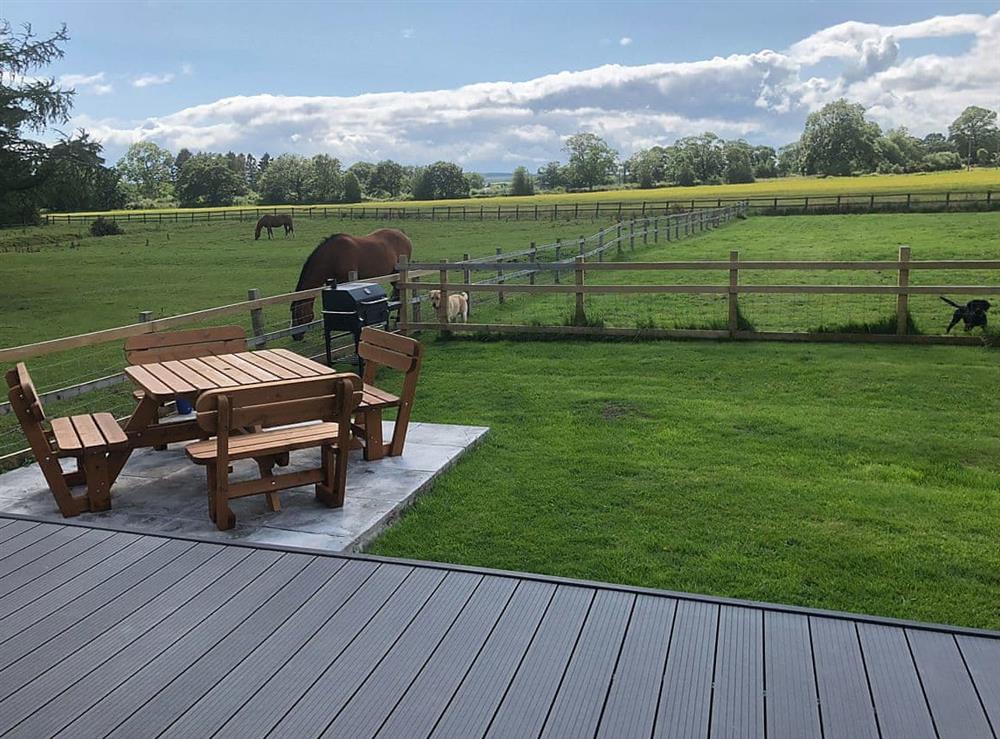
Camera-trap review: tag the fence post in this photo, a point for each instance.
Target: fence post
(645, 231)
(631, 235)
(656, 229)
(417, 305)
(600, 246)
(533, 256)
(903, 299)
(404, 295)
(618, 237)
(256, 316)
(467, 279)
(579, 317)
(352, 276)
(442, 309)
(734, 281)
(500, 296)
(146, 316)
(583, 247)
(557, 273)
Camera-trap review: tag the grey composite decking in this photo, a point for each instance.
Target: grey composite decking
(106, 633)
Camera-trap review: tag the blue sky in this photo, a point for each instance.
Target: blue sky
(479, 83)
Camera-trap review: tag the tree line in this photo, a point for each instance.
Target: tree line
(73, 175)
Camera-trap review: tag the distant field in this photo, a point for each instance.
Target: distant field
(977, 180)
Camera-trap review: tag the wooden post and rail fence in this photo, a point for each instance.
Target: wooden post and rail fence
(733, 289)
(618, 210)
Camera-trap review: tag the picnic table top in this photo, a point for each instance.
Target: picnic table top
(112, 633)
(165, 380)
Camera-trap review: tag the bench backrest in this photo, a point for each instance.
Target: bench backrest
(28, 409)
(325, 398)
(173, 345)
(383, 349)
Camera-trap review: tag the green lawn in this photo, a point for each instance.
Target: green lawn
(854, 477)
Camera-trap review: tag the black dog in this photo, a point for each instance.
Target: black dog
(972, 313)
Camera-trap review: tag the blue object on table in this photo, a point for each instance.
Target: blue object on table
(183, 407)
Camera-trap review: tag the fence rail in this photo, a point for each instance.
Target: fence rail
(619, 209)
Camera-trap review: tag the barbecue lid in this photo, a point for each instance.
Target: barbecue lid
(348, 296)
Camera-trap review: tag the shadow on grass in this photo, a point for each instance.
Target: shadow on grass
(885, 325)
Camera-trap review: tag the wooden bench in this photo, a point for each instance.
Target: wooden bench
(406, 355)
(230, 412)
(86, 438)
(190, 344)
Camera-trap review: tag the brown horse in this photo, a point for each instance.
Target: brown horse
(374, 255)
(270, 222)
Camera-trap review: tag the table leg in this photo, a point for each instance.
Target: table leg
(374, 445)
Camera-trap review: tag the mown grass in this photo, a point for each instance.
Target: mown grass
(976, 180)
(861, 478)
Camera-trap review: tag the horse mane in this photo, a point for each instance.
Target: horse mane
(312, 258)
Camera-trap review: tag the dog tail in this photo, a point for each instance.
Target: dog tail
(949, 302)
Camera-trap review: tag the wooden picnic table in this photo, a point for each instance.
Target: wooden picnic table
(162, 382)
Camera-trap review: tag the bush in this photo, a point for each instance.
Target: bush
(942, 160)
(105, 227)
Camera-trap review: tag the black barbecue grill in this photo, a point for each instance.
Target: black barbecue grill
(349, 307)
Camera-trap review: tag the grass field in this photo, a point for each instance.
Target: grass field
(835, 238)
(976, 180)
(864, 478)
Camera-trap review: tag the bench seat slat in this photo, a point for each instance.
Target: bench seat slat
(111, 430)
(65, 435)
(90, 436)
(264, 443)
(374, 397)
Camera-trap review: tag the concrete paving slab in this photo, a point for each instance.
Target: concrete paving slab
(162, 492)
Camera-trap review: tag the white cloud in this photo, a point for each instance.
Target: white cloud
(625, 41)
(764, 96)
(93, 83)
(408, 33)
(148, 80)
(187, 69)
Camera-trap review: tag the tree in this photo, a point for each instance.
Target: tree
(935, 142)
(790, 159)
(647, 166)
(837, 140)
(352, 188)
(475, 181)
(207, 180)
(942, 160)
(449, 181)
(974, 129)
(182, 156)
(284, 180)
(765, 162)
(549, 177)
(324, 180)
(911, 149)
(265, 162)
(363, 171)
(704, 154)
(591, 160)
(148, 168)
(521, 183)
(252, 172)
(29, 103)
(739, 162)
(422, 184)
(388, 177)
(78, 184)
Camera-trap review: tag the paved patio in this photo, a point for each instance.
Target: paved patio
(164, 493)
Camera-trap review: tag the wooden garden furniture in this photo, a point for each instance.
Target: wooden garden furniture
(90, 439)
(270, 408)
(161, 382)
(383, 349)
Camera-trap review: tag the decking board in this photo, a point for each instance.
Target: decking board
(116, 634)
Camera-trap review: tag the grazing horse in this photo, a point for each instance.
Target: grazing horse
(336, 257)
(270, 222)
